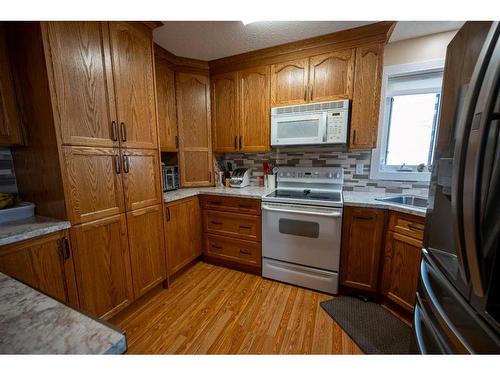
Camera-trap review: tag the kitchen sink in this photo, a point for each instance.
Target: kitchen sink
(407, 200)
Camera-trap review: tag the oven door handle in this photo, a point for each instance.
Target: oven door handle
(315, 213)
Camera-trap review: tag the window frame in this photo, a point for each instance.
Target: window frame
(378, 154)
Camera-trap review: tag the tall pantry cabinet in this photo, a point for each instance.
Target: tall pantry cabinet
(88, 96)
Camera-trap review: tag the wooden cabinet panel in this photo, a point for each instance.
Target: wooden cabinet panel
(234, 225)
(134, 85)
(254, 109)
(40, 263)
(82, 82)
(183, 233)
(147, 249)
(331, 76)
(362, 241)
(141, 178)
(93, 183)
(193, 113)
(102, 265)
(225, 124)
(10, 118)
(289, 82)
(366, 96)
(240, 251)
(402, 258)
(167, 111)
(231, 204)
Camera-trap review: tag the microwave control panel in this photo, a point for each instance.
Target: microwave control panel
(336, 127)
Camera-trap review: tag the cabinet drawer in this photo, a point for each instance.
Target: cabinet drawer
(408, 225)
(240, 205)
(244, 252)
(230, 224)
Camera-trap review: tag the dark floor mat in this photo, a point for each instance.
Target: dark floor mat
(375, 330)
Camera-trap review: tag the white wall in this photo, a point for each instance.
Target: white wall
(425, 48)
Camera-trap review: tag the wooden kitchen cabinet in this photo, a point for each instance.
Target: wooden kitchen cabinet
(183, 233)
(102, 265)
(225, 121)
(362, 244)
(10, 117)
(167, 110)
(193, 114)
(44, 263)
(93, 182)
(132, 52)
(366, 97)
(289, 82)
(331, 76)
(254, 109)
(147, 248)
(141, 178)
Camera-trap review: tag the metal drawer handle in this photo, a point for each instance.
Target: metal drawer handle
(363, 217)
(245, 207)
(114, 129)
(216, 222)
(216, 247)
(327, 214)
(415, 227)
(123, 130)
(215, 203)
(245, 227)
(126, 165)
(246, 252)
(117, 164)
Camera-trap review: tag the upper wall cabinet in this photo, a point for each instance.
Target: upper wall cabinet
(331, 76)
(240, 110)
(366, 97)
(10, 119)
(193, 114)
(167, 111)
(132, 49)
(289, 82)
(103, 87)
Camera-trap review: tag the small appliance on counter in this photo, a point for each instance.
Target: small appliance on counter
(240, 178)
(170, 175)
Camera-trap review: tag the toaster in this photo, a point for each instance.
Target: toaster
(240, 178)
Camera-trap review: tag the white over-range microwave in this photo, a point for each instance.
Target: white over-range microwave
(310, 124)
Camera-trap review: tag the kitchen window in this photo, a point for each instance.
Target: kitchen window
(411, 96)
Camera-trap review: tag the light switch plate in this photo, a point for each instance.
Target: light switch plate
(360, 167)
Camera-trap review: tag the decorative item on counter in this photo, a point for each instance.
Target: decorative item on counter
(8, 200)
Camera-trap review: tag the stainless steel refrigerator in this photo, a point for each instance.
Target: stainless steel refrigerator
(458, 298)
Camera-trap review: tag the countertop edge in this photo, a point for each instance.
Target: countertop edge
(51, 227)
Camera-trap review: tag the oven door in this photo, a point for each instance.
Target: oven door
(298, 129)
(306, 235)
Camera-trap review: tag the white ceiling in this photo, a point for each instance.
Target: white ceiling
(209, 40)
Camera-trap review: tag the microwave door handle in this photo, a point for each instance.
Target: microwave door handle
(324, 125)
(315, 213)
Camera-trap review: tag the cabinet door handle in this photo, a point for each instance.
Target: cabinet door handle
(126, 165)
(245, 207)
(167, 213)
(235, 142)
(241, 141)
(216, 222)
(311, 92)
(363, 217)
(215, 203)
(176, 141)
(246, 252)
(117, 164)
(306, 89)
(123, 131)
(354, 137)
(216, 247)
(114, 129)
(245, 227)
(66, 251)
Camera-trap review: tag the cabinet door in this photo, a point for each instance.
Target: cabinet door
(131, 45)
(254, 110)
(362, 240)
(141, 178)
(10, 119)
(39, 263)
(402, 258)
(183, 233)
(147, 250)
(93, 183)
(102, 265)
(366, 96)
(82, 82)
(224, 112)
(289, 82)
(193, 113)
(167, 111)
(331, 76)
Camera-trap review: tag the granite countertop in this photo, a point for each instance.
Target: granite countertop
(351, 198)
(33, 323)
(19, 230)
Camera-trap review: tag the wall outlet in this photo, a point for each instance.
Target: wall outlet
(360, 167)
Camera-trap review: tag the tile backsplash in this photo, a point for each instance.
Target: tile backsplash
(7, 175)
(324, 157)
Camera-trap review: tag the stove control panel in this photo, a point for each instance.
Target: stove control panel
(312, 175)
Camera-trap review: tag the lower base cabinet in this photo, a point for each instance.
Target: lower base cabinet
(183, 233)
(147, 249)
(44, 263)
(102, 265)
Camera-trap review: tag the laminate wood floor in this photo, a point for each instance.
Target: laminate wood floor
(216, 310)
